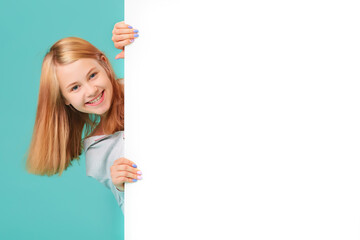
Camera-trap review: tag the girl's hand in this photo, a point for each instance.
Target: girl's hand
(123, 170)
(123, 35)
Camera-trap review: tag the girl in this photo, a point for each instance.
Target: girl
(79, 94)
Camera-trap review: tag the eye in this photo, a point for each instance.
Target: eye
(93, 75)
(74, 88)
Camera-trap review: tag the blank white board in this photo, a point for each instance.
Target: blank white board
(244, 118)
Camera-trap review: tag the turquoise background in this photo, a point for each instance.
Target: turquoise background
(72, 206)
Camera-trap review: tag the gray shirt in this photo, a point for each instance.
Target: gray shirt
(100, 153)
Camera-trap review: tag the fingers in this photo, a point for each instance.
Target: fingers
(122, 44)
(124, 170)
(120, 55)
(124, 31)
(123, 35)
(122, 24)
(124, 161)
(128, 175)
(121, 180)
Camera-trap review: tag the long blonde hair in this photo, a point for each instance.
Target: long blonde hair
(57, 136)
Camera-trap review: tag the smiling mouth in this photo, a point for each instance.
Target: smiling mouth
(97, 100)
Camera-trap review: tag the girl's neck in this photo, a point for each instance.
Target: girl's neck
(99, 130)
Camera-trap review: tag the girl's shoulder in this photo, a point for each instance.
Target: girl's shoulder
(103, 140)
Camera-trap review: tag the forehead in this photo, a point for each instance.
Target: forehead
(75, 71)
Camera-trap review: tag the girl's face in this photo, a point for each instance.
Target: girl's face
(85, 85)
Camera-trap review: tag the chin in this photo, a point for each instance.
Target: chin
(103, 113)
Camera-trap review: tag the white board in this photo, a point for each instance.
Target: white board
(244, 118)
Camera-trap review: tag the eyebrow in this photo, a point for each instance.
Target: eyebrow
(87, 75)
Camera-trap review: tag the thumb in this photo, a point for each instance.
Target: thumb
(120, 55)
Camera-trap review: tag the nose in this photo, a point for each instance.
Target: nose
(91, 91)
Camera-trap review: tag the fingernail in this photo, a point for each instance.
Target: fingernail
(134, 180)
(134, 165)
(132, 40)
(139, 172)
(136, 35)
(135, 30)
(130, 27)
(139, 177)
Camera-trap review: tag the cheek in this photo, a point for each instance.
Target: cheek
(75, 101)
(65, 99)
(111, 95)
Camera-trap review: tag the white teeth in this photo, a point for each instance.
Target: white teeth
(97, 99)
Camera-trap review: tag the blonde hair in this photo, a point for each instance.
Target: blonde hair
(57, 136)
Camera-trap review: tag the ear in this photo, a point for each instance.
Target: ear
(66, 102)
(103, 58)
